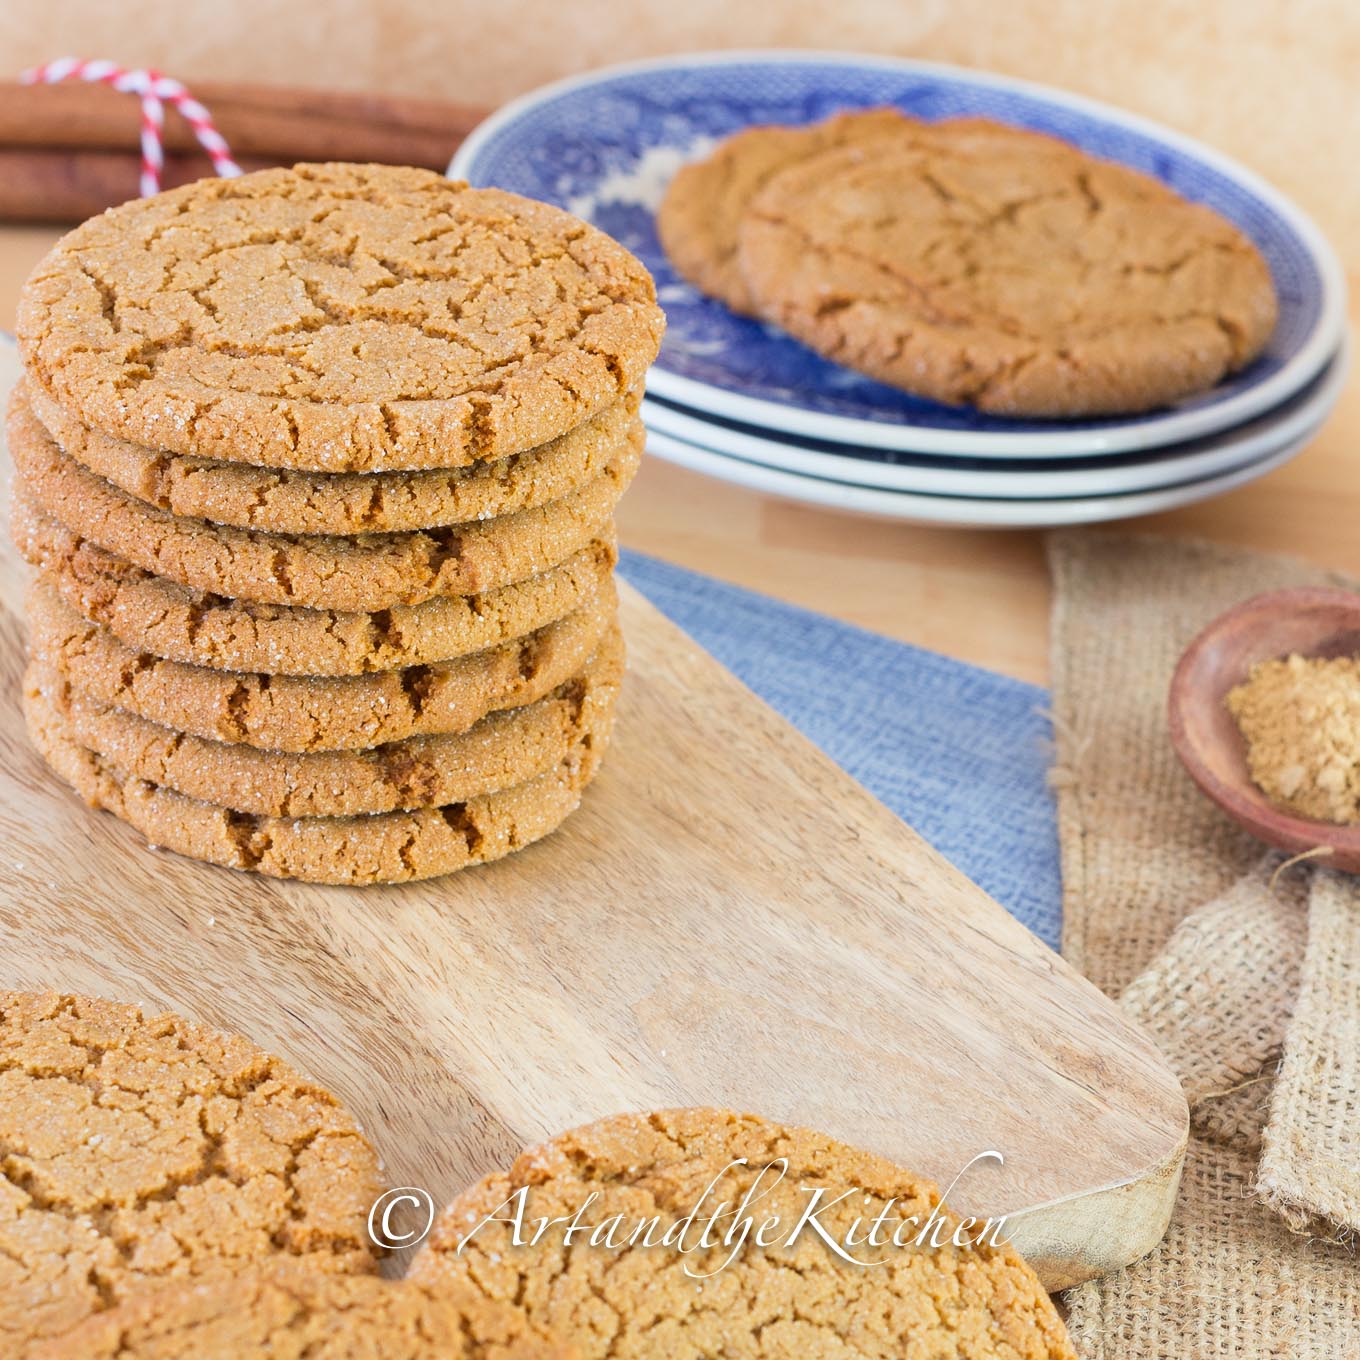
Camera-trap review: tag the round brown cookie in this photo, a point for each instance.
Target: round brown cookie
(290, 502)
(501, 751)
(1002, 269)
(698, 218)
(288, 1313)
(338, 318)
(716, 1291)
(157, 616)
(391, 847)
(368, 572)
(141, 1147)
(313, 713)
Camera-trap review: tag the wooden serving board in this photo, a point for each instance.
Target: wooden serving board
(729, 919)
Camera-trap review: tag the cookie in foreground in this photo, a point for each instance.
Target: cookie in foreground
(141, 1148)
(793, 1297)
(287, 1313)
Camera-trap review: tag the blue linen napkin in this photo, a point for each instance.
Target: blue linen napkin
(960, 753)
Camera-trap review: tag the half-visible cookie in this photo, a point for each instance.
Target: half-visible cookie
(291, 502)
(151, 614)
(338, 318)
(290, 1313)
(503, 750)
(313, 713)
(674, 1275)
(704, 204)
(392, 847)
(1002, 269)
(140, 1148)
(354, 573)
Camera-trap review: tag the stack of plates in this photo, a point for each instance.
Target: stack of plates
(740, 400)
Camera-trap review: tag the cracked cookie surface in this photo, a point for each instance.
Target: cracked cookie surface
(780, 1301)
(999, 268)
(338, 318)
(140, 1148)
(288, 1313)
(156, 616)
(499, 752)
(698, 218)
(364, 572)
(290, 502)
(312, 713)
(391, 847)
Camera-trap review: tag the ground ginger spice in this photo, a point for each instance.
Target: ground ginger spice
(1301, 721)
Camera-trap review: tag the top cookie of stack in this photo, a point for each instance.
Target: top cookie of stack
(972, 262)
(318, 468)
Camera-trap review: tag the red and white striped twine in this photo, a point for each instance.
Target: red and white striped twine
(154, 90)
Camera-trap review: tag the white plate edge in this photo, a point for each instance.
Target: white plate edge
(961, 512)
(1224, 454)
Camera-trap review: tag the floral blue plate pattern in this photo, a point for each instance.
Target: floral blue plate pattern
(606, 145)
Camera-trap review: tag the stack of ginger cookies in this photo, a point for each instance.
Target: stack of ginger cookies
(318, 469)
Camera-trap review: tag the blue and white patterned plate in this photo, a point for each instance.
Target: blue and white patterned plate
(605, 146)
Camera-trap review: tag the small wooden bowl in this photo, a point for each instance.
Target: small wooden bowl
(1309, 621)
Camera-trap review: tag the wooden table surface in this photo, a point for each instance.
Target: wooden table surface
(979, 595)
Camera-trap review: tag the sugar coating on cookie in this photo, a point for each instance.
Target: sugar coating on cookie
(501, 751)
(308, 712)
(351, 573)
(140, 1147)
(789, 1299)
(1002, 269)
(289, 1312)
(199, 628)
(338, 318)
(698, 218)
(292, 502)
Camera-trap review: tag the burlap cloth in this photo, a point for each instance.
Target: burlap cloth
(1252, 988)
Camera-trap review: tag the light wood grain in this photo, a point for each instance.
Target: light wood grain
(728, 920)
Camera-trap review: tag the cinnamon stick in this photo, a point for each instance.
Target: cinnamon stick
(278, 123)
(68, 186)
